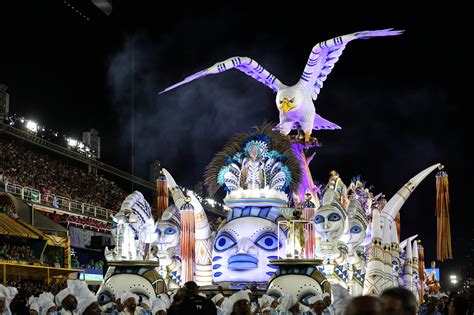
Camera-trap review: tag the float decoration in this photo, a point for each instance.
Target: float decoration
(295, 103)
(258, 170)
(161, 194)
(202, 232)
(133, 229)
(130, 265)
(309, 209)
(351, 240)
(167, 245)
(299, 278)
(443, 243)
(187, 239)
(262, 161)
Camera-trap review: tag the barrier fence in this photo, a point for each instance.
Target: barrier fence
(58, 202)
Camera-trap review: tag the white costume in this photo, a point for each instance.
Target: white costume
(45, 302)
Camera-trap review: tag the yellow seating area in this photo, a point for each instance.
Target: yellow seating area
(14, 271)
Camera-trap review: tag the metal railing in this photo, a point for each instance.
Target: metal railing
(58, 202)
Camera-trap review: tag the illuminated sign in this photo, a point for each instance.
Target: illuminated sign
(92, 277)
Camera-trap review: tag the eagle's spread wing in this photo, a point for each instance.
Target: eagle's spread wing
(244, 64)
(324, 56)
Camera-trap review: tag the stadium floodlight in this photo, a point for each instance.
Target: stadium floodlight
(453, 279)
(31, 125)
(80, 145)
(71, 142)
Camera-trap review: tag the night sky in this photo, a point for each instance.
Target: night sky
(398, 99)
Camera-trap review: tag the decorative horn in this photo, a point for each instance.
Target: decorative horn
(176, 193)
(403, 243)
(395, 203)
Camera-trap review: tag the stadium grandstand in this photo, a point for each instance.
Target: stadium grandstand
(56, 202)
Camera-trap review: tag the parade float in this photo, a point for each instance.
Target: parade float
(282, 231)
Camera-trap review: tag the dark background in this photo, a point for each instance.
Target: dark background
(398, 99)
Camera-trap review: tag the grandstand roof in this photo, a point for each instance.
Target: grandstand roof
(18, 204)
(47, 225)
(17, 227)
(38, 221)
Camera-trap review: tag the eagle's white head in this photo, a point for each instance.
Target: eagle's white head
(289, 99)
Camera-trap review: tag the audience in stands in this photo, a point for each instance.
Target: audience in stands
(17, 253)
(99, 225)
(6, 209)
(21, 164)
(92, 264)
(95, 264)
(10, 210)
(80, 221)
(75, 262)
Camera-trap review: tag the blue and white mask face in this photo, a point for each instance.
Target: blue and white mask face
(329, 222)
(168, 235)
(242, 250)
(301, 286)
(117, 283)
(355, 234)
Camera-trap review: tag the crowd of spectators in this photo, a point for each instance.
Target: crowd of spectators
(91, 264)
(81, 222)
(6, 209)
(23, 254)
(22, 164)
(17, 253)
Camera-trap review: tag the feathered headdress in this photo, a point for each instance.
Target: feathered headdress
(276, 145)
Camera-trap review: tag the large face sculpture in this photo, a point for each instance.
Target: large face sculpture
(168, 235)
(330, 222)
(356, 231)
(243, 248)
(140, 280)
(302, 282)
(168, 230)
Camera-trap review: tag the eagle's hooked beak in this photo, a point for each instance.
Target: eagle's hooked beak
(286, 106)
